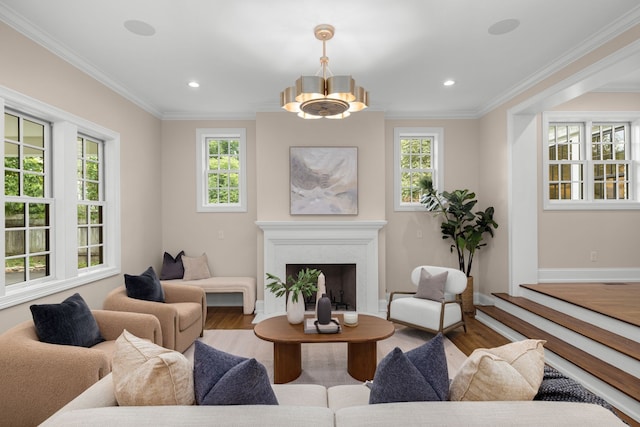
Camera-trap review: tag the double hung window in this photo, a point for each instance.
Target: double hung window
(27, 204)
(61, 200)
(590, 163)
(418, 154)
(90, 202)
(221, 169)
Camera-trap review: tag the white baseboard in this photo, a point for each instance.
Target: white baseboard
(574, 275)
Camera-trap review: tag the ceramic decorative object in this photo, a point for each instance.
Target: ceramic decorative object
(295, 310)
(322, 289)
(323, 313)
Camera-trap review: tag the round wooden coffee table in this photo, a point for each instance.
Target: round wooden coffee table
(287, 342)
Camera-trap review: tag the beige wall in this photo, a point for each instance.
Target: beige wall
(405, 250)
(493, 180)
(495, 176)
(31, 70)
(269, 139)
(198, 232)
(276, 132)
(568, 237)
(158, 179)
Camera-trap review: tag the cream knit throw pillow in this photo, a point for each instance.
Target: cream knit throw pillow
(147, 374)
(511, 372)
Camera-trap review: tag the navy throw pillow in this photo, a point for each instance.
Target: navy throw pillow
(415, 376)
(68, 323)
(145, 286)
(172, 268)
(221, 378)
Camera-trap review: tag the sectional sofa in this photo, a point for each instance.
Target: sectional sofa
(315, 405)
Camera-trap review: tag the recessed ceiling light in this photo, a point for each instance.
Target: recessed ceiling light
(193, 84)
(449, 82)
(140, 28)
(503, 27)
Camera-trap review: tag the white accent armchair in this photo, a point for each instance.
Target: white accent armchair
(429, 315)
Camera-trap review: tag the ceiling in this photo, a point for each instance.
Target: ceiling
(245, 52)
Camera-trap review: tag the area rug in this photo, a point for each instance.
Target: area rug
(326, 363)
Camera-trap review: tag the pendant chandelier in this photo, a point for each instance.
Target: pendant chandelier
(324, 95)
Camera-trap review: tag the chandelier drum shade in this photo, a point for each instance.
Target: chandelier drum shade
(324, 95)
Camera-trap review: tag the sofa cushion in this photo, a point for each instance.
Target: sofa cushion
(511, 372)
(224, 379)
(206, 416)
(301, 394)
(431, 287)
(145, 286)
(172, 268)
(418, 375)
(68, 323)
(196, 268)
(147, 374)
(346, 395)
(486, 414)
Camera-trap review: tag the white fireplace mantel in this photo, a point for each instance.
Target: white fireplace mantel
(323, 242)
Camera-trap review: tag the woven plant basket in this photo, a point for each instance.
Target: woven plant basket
(467, 299)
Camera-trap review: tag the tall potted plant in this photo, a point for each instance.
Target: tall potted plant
(462, 225)
(295, 289)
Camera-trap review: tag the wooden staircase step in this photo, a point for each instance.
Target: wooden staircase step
(617, 378)
(616, 300)
(605, 337)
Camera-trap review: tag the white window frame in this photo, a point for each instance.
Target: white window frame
(44, 199)
(202, 156)
(399, 133)
(586, 118)
(64, 273)
(89, 203)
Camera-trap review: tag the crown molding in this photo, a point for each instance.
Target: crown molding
(599, 38)
(16, 22)
(624, 23)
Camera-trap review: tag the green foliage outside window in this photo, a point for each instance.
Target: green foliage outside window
(89, 213)
(223, 171)
(416, 164)
(26, 219)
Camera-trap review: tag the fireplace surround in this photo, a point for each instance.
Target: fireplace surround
(323, 242)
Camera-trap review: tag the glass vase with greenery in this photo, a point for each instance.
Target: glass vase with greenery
(460, 223)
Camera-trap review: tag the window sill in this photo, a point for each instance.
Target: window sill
(23, 295)
(411, 208)
(592, 206)
(225, 208)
